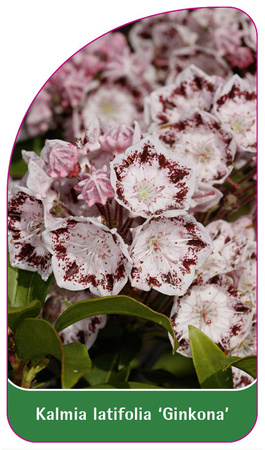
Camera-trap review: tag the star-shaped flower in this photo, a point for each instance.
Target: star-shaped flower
(86, 254)
(192, 89)
(166, 251)
(200, 139)
(147, 180)
(216, 309)
(235, 106)
(27, 249)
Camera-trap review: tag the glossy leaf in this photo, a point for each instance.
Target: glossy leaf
(17, 314)
(105, 370)
(177, 364)
(25, 286)
(76, 364)
(248, 364)
(206, 357)
(26, 294)
(36, 338)
(113, 305)
(129, 348)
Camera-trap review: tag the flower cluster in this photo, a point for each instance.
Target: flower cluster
(137, 201)
(111, 76)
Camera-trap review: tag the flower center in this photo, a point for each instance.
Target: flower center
(205, 313)
(93, 246)
(146, 190)
(107, 108)
(203, 150)
(240, 124)
(35, 226)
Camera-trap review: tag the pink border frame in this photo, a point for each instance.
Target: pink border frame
(104, 34)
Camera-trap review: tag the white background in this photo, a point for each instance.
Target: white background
(36, 38)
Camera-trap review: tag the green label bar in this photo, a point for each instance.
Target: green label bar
(132, 415)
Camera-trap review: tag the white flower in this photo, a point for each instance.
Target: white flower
(204, 197)
(86, 254)
(148, 181)
(200, 139)
(217, 310)
(248, 346)
(25, 229)
(37, 178)
(229, 248)
(192, 89)
(241, 379)
(84, 331)
(111, 105)
(166, 251)
(235, 106)
(204, 58)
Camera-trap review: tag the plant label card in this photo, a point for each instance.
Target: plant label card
(132, 238)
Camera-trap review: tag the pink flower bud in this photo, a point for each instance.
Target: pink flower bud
(117, 139)
(95, 187)
(61, 158)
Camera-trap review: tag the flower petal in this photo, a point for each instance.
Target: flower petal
(86, 254)
(166, 251)
(148, 181)
(25, 228)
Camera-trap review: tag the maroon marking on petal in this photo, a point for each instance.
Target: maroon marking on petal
(181, 195)
(187, 263)
(110, 282)
(71, 271)
(153, 281)
(25, 251)
(120, 272)
(92, 280)
(235, 330)
(217, 279)
(60, 249)
(197, 243)
(59, 231)
(162, 161)
(236, 92)
(231, 291)
(80, 335)
(166, 103)
(240, 307)
(177, 174)
(191, 227)
(94, 322)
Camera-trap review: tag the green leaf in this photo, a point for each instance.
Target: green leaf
(25, 286)
(130, 346)
(247, 364)
(206, 357)
(177, 364)
(36, 338)
(76, 364)
(26, 294)
(16, 315)
(105, 370)
(119, 304)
